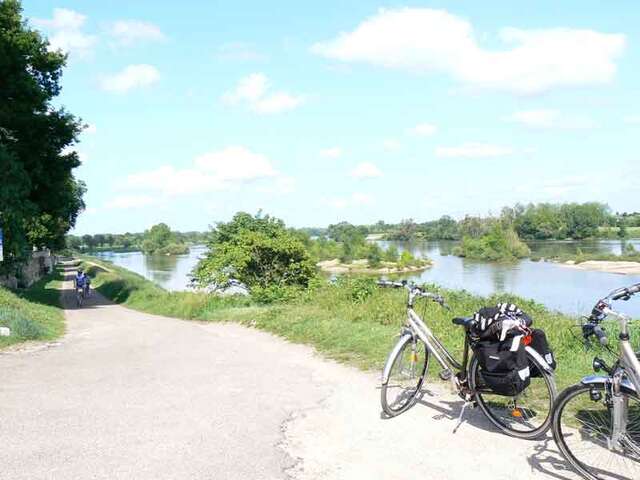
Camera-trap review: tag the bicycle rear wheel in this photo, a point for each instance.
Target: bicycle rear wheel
(583, 429)
(526, 415)
(407, 366)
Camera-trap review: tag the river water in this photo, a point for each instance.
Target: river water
(558, 287)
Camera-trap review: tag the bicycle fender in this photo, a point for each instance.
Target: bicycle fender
(534, 353)
(601, 380)
(387, 367)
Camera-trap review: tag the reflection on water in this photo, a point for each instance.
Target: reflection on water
(568, 290)
(169, 271)
(558, 287)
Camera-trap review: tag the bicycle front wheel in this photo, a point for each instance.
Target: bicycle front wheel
(406, 366)
(526, 415)
(583, 428)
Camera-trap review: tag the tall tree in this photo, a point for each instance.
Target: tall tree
(39, 196)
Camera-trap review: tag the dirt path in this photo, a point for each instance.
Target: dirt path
(127, 395)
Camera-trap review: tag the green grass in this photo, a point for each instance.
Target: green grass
(352, 321)
(34, 313)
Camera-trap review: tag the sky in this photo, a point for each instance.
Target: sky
(318, 112)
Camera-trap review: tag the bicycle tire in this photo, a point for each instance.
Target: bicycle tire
(411, 395)
(515, 425)
(560, 434)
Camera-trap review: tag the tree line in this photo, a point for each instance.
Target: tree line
(158, 237)
(541, 221)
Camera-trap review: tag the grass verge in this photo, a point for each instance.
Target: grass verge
(351, 321)
(34, 313)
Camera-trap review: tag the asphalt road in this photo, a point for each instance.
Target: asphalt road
(126, 395)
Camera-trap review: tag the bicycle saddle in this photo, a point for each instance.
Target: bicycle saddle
(465, 322)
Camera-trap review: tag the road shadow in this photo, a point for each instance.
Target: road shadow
(547, 459)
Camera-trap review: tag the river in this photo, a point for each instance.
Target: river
(564, 289)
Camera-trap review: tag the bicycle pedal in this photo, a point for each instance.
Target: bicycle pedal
(445, 375)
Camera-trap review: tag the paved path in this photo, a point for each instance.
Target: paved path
(127, 395)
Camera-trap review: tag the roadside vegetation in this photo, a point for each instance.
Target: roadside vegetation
(350, 320)
(34, 313)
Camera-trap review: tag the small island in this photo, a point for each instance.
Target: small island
(160, 240)
(364, 267)
(346, 249)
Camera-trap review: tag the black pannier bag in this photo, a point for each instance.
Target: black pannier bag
(504, 367)
(540, 344)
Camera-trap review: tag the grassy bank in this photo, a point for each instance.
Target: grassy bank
(351, 321)
(34, 313)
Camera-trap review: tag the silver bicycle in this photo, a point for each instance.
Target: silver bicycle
(526, 415)
(596, 423)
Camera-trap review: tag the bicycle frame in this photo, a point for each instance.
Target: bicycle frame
(624, 379)
(417, 327)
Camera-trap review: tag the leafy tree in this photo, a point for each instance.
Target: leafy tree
(39, 196)
(257, 250)
(391, 254)
(161, 240)
(374, 255)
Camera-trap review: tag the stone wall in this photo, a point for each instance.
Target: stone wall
(41, 263)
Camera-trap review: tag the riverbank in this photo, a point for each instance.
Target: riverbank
(619, 266)
(362, 267)
(33, 314)
(351, 320)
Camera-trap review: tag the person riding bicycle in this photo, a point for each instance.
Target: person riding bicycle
(80, 280)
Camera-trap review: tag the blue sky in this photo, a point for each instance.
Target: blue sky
(318, 112)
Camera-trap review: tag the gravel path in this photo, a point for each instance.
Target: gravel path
(126, 395)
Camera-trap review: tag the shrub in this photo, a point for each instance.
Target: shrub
(374, 255)
(391, 255)
(256, 250)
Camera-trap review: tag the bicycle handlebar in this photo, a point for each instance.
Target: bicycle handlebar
(416, 290)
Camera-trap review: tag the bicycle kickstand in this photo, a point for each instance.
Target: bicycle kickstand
(460, 417)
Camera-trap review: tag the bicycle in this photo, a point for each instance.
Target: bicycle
(80, 294)
(596, 423)
(527, 415)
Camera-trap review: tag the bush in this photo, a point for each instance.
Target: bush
(258, 251)
(374, 255)
(391, 255)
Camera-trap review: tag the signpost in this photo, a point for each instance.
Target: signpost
(1, 244)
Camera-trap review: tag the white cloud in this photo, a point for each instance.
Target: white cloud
(354, 200)
(132, 76)
(63, 19)
(239, 51)
(473, 150)
(529, 62)
(332, 152)
(550, 119)
(280, 186)
(366, 170)
(226, 169)
(423, 129)
(249, 88)
(129, 32)
(253, 91)
(391, 145)
(632, 119)
(131, 201)
(277, 102)
(66, 32)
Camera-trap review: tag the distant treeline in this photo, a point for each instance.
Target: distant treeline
(128, 241)
(542, 221)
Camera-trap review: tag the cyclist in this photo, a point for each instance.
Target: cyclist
(80, 280)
